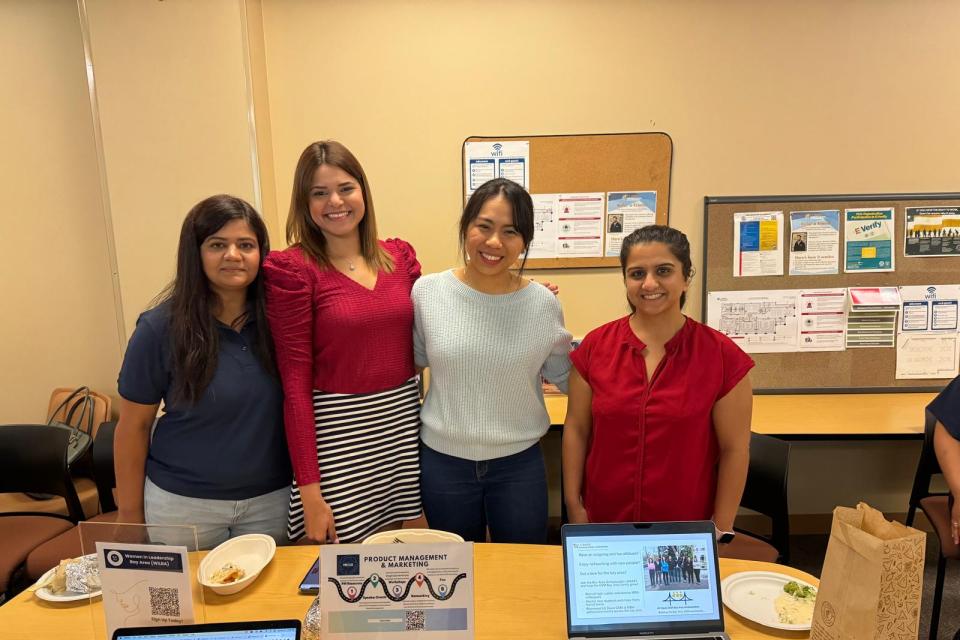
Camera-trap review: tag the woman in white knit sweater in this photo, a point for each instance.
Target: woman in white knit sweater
(487, 336)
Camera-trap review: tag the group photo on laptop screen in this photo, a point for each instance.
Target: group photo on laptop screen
(643, 578)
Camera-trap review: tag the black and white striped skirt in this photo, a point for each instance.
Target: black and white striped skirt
(368, 451)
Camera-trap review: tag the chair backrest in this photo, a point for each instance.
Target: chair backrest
(766, 488)
(927, 467)
(35, 460)
(103, 470)
(102, 406)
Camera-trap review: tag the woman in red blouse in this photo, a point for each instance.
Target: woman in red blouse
(658, 421)
(338, 302)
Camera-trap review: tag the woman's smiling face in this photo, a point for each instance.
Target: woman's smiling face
(654, 279)
(492, 242)
(336, 201)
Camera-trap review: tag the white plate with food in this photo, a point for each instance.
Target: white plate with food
(771, 599)
(48, 590)
(235, 564)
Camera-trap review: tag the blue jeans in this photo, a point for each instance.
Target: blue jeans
(216, 520)
(507, 494)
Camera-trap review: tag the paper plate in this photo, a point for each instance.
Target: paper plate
(44, 593)
(751, 594)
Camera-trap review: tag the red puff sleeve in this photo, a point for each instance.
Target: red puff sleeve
(404, 256)
(736, 364)
(290, 310)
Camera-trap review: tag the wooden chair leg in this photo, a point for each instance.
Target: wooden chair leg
(911, 513)
(937, 597)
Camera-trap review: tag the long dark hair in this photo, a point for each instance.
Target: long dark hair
(195, 342)
(676, 242)
(521, 204)
(303, 231)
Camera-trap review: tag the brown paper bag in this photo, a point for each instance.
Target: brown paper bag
(872, 579)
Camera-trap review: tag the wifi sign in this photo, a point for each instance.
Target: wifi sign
(497, 149)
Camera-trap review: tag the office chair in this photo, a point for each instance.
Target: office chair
(765, 493)
(927, 467)
(67, 544)
(936, 507)
(35, 459)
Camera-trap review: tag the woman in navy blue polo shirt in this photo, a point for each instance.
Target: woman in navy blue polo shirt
(217, 458)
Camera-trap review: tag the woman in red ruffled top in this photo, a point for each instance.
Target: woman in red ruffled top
(338, 302)
(658, 421)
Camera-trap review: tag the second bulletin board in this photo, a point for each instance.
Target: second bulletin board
(591, 163)
(851, 370)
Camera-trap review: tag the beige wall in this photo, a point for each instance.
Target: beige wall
(57, 319)
(759, 97)
(175, 115)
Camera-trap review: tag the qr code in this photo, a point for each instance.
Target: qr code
(165, 601)
(414, 621)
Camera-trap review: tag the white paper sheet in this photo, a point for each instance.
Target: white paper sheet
(580, 225)
(822, 319)
(927, 356)
(545, 226)
(758, 321)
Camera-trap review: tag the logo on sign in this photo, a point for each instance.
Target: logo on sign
(348, 565)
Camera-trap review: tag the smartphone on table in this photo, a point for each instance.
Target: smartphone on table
(311, 581)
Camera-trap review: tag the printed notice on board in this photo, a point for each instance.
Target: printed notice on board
(814, 242)
(932, 232)
(868, 240)
(927, 339)
(823, 315)
(628, 211)
(484, 161)
(757, 321)
(580, 225)
(144, 585)
(757, 246)
(545, 225)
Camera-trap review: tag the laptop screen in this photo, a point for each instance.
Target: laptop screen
(258, 630)
(641, 578)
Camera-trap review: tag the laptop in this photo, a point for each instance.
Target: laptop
(656, 580)
(253, 630)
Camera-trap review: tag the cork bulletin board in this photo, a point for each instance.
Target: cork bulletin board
(594, 163)
(852, 370)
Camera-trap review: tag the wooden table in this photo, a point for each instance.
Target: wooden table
(847, 416)
(518, 594)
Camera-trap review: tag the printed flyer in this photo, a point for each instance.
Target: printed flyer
(628, 211)
(868, 240)
(932, 232)
(757, 248)
(369, 591)
(814, 242)
(144, 585)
